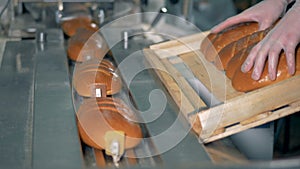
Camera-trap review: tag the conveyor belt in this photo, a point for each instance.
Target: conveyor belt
(37, 123)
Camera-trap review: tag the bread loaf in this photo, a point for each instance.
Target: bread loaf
(234, 47)
(207, 42)
(237, 60)
(244, 83)
(70, 26)
(88, 75)
(119, 106)
(95, 119)
(86, 45)
(222, 39)
(108, 64)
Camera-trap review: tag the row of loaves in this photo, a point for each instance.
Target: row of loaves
(98, 114)
(228, 50)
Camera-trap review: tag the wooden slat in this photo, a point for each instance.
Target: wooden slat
(179, 46)
(294, 107)
(175, 91)
(255, 118)
(178, 42)
(246, 106)
(188, 49)
(215, 81)
(184, 85)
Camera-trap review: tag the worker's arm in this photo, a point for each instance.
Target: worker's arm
(265, 13)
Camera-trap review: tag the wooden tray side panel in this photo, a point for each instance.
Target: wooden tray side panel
(214, 80)
(292, 108)
(246, 106)
(179, 46)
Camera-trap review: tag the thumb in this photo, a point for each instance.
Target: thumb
(264, 25)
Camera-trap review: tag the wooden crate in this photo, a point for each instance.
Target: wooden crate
(237, 111)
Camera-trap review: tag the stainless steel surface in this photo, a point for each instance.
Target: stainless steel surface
(37, 122)
(55, 130)
(16, 106)
(22, 27)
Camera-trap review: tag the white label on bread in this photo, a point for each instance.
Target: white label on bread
(98, 93)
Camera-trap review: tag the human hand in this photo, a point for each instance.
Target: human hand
(265, 13)
(284, 36)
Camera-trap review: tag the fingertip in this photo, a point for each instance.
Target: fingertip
(272, 71)
(254, 76)
(272, 76)
(245, 67)
(291, 70)
(290, 57)
(273, 58)
(256, 73)
(249, 62)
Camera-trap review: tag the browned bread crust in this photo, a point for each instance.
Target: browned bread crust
(91, 73)
(244, 83)
(70, 26)
(86, 45)
(95, 119)
(222, 39)
(233, 48)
